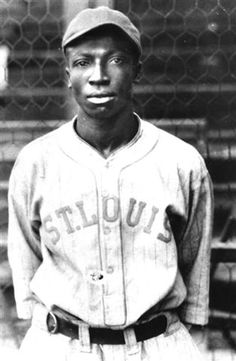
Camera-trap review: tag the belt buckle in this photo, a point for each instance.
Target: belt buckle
(52, 323)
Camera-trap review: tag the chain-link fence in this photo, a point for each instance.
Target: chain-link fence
(32, 86)
(188, 87)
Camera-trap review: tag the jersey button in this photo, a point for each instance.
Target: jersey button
(110, 269)
(96, 276)
(106, 230)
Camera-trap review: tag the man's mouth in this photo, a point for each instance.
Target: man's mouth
(100, 99)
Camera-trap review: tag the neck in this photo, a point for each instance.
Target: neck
(106, 135)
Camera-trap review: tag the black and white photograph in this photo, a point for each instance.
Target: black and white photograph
(118, 180)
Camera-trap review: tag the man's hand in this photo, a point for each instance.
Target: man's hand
(24, 325)
(199, 335)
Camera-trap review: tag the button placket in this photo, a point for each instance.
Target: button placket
(113, 288)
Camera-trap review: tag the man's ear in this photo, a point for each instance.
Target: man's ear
(138, 71)
(68, 77)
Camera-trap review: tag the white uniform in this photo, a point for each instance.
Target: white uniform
(110, 240)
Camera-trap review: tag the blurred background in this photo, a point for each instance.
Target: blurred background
(188, 87)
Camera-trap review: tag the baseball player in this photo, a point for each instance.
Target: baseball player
(109, 217)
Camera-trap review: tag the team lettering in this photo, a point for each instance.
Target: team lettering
(111, 213)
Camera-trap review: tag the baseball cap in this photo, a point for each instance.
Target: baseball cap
(89, 19)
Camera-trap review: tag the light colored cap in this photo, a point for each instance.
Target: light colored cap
(89, 19)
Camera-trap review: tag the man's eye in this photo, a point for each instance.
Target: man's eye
(117, 60)
(81, 63)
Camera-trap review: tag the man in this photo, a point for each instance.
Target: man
(109, 217)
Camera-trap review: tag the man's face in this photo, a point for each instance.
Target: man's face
(101, 71)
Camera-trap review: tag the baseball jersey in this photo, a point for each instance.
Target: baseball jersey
(111, 240)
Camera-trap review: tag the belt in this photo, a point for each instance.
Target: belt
(144, 331)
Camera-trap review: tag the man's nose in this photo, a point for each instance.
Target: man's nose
(99, 75)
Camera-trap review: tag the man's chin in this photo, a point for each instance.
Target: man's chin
(101, 112)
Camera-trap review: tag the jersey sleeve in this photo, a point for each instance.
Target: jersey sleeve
(194, 249)
(23, 241)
